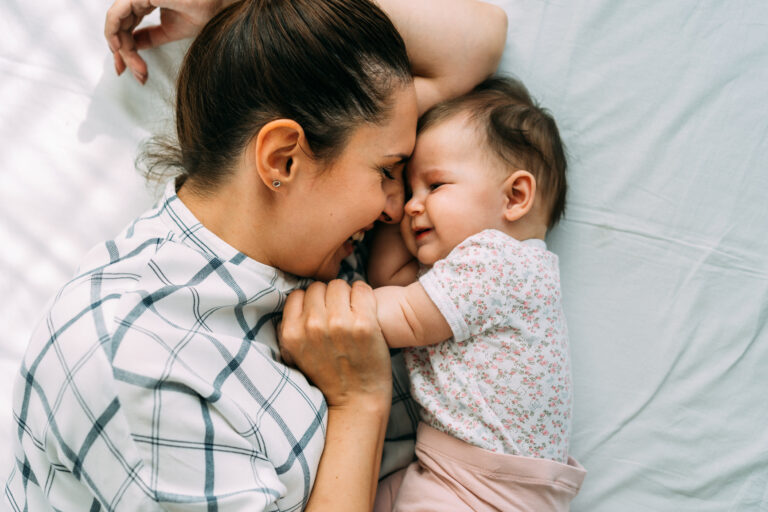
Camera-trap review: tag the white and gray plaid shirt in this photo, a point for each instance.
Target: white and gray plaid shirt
(154, 382)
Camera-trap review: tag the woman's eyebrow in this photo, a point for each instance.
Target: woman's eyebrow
(402, 157)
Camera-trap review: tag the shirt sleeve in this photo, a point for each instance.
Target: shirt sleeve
(471, 286)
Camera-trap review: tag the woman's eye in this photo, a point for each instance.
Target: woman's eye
(387, 172)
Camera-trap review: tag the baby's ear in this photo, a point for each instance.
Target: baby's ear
(520, 191)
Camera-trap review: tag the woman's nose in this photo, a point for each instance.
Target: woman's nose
(393, 208)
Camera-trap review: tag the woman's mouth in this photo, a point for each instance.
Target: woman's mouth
(348, 248)
(349, 245)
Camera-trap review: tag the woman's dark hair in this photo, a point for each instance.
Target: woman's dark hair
(517, 130)
(329, 65)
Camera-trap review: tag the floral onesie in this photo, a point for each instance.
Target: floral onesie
(503, 381)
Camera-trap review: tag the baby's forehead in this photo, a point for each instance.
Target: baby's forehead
(458, 121)
(451, 137)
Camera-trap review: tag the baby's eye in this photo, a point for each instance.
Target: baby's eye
(435, 186)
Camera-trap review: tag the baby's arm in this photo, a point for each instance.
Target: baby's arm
(408, 317)
(391, 263)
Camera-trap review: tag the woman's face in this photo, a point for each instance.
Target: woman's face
(363, 184)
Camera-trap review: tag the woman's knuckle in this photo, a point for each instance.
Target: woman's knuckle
(288, 336)
(316, 284)
(315, 324)
(337, 324)
(363, 327)
(362, 285)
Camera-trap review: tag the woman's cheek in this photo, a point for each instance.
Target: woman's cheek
(394, 199)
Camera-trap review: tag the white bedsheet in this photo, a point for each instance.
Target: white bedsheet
(664, 249)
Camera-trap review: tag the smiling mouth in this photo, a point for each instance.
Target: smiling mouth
(421, 233)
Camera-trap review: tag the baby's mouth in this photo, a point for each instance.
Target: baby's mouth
(421, 232)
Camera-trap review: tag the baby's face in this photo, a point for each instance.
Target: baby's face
(456, 190)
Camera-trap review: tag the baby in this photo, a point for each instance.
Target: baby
(468, 286)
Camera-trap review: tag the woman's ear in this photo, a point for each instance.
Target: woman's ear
(520, 192)
(274, 152)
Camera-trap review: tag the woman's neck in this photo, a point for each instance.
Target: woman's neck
(233, 212)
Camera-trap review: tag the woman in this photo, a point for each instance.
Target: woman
(155, 380)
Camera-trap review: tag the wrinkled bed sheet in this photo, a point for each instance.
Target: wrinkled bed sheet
(664, 249)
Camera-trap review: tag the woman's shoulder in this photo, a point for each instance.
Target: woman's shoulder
(116, 264)
(152, 281)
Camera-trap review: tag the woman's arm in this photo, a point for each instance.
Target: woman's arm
(331, 333)
(452, 45)
(408, 317)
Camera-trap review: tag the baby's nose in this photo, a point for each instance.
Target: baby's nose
(413, 207)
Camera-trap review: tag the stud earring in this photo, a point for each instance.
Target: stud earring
(276, 183)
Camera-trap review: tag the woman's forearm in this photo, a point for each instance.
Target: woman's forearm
(349, 468)
(453, 44)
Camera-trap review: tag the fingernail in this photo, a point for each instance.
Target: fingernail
(139, 77)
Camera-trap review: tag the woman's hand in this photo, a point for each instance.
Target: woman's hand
(331, 333)
(179, 19)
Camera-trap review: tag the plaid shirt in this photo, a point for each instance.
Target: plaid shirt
(154, 382)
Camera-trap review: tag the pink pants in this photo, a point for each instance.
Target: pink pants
(453, 475)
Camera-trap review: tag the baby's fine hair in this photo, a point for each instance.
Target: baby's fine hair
(520, 132)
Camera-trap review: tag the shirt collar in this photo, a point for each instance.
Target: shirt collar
(536, 243)
(191, 232)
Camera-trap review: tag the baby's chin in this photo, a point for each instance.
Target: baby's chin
(428, 257)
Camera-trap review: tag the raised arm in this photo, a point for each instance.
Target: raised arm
(408, 317)
(453, 44)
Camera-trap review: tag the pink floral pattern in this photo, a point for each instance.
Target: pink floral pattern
(503, 381)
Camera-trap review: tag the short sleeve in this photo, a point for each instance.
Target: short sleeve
(469, 286)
